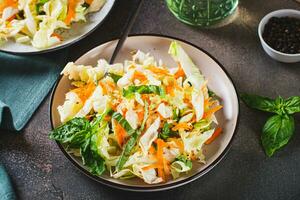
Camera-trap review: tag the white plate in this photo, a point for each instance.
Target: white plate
(158, 46)
(77, 32)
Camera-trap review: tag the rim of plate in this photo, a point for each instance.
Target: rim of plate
(166, 186)
(59, 47)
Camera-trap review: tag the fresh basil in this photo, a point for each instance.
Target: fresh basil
(72, 132)
(123, 122)
(81, 133)
(278, 129)
(167, 132)
(292, 105)
(143, 89)
(90, 156)
(277, 132)
(259, 102)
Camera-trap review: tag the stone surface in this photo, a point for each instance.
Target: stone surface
(40, 171)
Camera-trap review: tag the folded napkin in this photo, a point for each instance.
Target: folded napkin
(24, 83)
(6, 190)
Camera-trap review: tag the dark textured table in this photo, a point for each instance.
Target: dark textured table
(40, 171)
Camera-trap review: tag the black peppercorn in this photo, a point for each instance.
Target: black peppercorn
(283, 34)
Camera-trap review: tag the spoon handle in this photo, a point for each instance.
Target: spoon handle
(125, 32)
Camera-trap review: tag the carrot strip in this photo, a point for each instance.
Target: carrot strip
(85, 91)
(139, 76)
(160, 145)
(178, 142)
(120, 133)
(212, 111)
(152, 150)
(159, 71)
(11, 18)
(217, 132)
(8, 3)
(183, 125)
(89, 1)
(71, 11)
(57, 35)
(179, 72)
(104, 89)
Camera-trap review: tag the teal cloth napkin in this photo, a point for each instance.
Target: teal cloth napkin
(6, 191)
(24, 83)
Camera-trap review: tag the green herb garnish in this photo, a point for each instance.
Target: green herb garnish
(279, 128)
(81, 133)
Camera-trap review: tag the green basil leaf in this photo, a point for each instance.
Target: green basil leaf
(127, 150)
(292, 105)
(123, 122)
(277, 132)
(259, 102)
(143, 89)
(115, 77)
(72, 132)
(82, 134)
(90, 156)
(167, 132)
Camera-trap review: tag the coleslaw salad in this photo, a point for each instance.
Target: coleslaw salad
(40, 22)
(141, 120)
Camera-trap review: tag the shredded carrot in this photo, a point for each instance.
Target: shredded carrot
(85, 91)
(182, 125)
(139, 76)
(217, 132)
(111, 85)
(57, 35)
(124, 111)
(159, 71)
(141, 115)
(8, 3)
(179, 72)
(192, 156)
(71, 11)
(178, 142)
(104, 89)
(89, 1)
(212, 111)
(120, 133)
(11, 18)
(107, 118)
(152, 150)
(208, 102)
(160, 159)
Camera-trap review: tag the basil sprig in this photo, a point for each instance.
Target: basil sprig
(279, 128)
(81, 133)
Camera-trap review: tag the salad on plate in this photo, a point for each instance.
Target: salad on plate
(40, 22)
(138, 118)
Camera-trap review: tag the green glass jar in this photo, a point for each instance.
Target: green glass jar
(202, 13)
